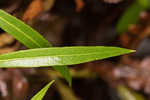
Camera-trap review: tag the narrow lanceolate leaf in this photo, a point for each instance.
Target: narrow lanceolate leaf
(131, 16)
(127, 94)
(22, 32)
(58, 56)
(144, 3)
(64, 70)
(29, 37)
(41, 93)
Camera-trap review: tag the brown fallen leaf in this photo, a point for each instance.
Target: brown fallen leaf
(6, 39)
(79, 5)
(8, 43)
(125, 40)
(48, 4)
(34, 9)
(9, 48)
(137, 32)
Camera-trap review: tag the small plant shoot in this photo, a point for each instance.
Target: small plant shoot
(41, 54)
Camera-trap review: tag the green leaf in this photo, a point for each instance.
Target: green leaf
(131, 16)
(64, 70)
(144, 3)
(128, 94)
(41, 93)
(29, 37)
(58, 56)
(22, 32)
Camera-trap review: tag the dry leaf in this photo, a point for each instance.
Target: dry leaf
(9, 48)
(79, 5)
(48, 4)
(34, 9)
(6, 39)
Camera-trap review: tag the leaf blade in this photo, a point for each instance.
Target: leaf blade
(29, 37)
(127, 94)
(58, 56)
(64, 70)
(42, 92)
(131, 16)
(22, 32)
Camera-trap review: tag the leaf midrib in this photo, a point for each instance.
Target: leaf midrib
(59, 56)
(55, 48)
(20, 31)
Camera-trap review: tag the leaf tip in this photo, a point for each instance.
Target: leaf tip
(52, 81)
(132, 51)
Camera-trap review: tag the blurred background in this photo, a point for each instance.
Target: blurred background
(122, 23)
